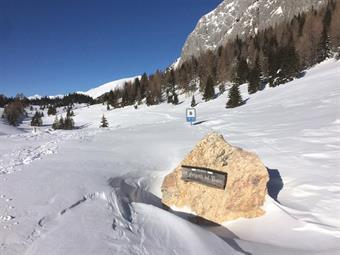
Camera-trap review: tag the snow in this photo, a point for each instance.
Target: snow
(175, 65)
(97, 191)
(51, 97)
(107, 87)
(278, 11)
(97, 91)
(34, 97)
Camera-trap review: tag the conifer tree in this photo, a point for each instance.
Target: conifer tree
(61, 123)
(36, 120)
(254, 79)
(108, 107)
(104, 123)
(324, 49)
(241, 72)
(221, 88)
(138, 91)
(144, 83)
(169, 96)
(68, 123)
(149, 99)
(52, 110)
(55, 124)
(235, 98)
(209, 91)
(175, 98)
(172, 79)
(193, 101)
(69, 112)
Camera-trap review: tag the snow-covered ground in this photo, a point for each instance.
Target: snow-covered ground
(97, 191)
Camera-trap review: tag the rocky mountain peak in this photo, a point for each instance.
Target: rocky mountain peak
(240, 18)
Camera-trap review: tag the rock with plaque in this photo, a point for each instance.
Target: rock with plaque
(218, 182)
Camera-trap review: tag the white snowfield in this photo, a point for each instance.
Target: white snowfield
(97, 191)
(107, 87)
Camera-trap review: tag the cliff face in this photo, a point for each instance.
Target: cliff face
(242, 18)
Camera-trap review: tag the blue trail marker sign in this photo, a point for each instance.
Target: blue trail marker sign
(191, 115)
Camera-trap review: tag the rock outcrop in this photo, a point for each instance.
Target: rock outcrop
(241, 18)
(244, 192)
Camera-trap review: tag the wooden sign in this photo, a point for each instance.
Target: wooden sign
(204, 176)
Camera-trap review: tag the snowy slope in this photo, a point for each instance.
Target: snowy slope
(240, 18)
(97, 191)
(97, 91)
(107, 87)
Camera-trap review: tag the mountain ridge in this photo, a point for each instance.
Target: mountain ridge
(232, 18)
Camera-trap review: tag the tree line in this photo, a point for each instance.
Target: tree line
(273, 56)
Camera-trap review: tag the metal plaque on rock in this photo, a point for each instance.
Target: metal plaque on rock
(204, 176)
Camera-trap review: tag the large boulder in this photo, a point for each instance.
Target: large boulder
(242, 195)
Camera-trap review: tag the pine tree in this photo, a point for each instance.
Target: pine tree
(108, 107)
(104, 123)
(193, 101)
(172, 79)
(169, 96)
(324, 49)
(61, 123)
(175, 98)
(138, 91)
(125, 97)
(36, 120)
(144, 84)
(254, 79)
(234, 96)
(52, 110)
(241, 72)
(55, 124)
(209, 91)
(221, 88)
(68, 123)
(69, 112)
(149, 99)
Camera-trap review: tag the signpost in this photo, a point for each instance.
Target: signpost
(205, 176)
(191, 115)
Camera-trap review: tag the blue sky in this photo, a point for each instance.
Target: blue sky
(52, 47)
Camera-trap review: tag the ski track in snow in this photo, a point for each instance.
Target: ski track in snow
(13, 161)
